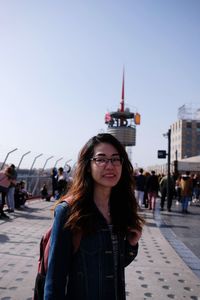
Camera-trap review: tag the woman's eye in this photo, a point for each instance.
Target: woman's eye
(100, 160)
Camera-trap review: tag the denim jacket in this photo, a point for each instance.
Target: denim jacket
(87, 274)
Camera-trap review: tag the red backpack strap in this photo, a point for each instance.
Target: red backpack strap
(44, 252)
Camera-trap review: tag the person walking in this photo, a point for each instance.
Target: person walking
(102, 214)
(186, 191)
(140, 181)
(152, 187)
(164, 192)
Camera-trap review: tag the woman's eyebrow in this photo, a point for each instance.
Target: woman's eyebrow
(103, 154)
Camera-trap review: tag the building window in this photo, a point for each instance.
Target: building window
(188, 138)
(189, 125)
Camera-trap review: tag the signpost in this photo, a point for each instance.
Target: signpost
(162, 154)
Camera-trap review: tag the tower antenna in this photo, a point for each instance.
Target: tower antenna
(122, 99)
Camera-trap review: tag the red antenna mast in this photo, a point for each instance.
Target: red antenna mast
(122, 100)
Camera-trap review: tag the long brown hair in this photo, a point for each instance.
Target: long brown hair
(123, 205)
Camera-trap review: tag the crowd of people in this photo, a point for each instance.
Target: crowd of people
(13, 193)
(184, 188)
(60, 181)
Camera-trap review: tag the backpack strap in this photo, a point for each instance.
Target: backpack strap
(44, 252)
(45, 245)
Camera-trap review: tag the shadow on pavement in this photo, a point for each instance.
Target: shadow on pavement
(4, 238)
(31, 216)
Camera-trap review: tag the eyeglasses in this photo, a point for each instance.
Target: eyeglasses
(103, 161)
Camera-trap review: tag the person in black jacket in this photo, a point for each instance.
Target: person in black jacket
(152, 187)
(140, 181)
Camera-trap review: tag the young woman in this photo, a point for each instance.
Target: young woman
(95, 235)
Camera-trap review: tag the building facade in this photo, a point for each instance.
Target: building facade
(185, 139)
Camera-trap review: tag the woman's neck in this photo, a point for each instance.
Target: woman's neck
(101, 199)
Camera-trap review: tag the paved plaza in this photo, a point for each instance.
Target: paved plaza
(164, 268)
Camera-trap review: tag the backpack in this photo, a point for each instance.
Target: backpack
(43, 261)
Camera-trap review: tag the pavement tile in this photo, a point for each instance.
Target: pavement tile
(157, 273)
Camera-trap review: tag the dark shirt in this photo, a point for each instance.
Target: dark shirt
(140, 182)
(152, 184)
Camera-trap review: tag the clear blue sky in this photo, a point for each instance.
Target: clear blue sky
(61, 68)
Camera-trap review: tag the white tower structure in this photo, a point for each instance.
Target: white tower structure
(122, 123)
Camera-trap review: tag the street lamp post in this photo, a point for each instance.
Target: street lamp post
(163, 154)
(168, 165)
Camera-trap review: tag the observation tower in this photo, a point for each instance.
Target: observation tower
(122, 122)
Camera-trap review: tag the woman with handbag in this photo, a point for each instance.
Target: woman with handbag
(102, 216)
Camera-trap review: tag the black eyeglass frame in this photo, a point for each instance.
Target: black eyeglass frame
(106, 160)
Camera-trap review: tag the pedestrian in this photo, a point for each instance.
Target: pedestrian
(61, 183)
(152, 187)
(140, 181)
(195, 188)
(21, 194)
(164, 192)
(54, 174)
(145, 199)
(4, 186)
(11, 170)
(44, 193)
(102, 210)
(186, 191)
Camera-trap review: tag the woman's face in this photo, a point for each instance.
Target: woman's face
(105, 166)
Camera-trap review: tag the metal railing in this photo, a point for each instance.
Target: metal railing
(35, 178)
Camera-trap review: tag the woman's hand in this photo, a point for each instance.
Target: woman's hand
(133, 236)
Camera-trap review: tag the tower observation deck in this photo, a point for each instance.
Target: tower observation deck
(122, 123)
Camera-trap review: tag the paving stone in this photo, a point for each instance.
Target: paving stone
(157, 273)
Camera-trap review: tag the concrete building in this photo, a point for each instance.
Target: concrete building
(185, 142)
(185, 134)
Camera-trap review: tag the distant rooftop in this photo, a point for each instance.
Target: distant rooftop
(189, 112)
